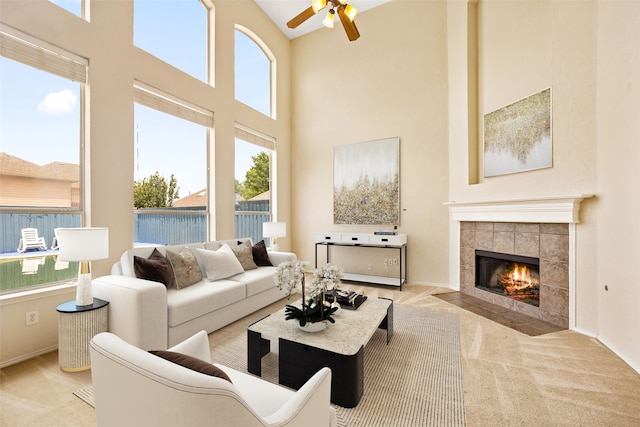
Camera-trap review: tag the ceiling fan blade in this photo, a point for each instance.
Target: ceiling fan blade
(349, 26)
(300, 18)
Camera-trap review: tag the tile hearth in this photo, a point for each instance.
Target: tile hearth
(511, 319)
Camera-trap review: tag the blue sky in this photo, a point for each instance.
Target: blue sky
(41, 112)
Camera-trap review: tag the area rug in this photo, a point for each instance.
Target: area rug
(85, 394)
(415, 380)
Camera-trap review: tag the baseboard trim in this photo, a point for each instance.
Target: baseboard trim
(31, 355)
(620, 354)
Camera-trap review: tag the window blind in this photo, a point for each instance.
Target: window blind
(153, 98)
(247, 134)
(29, 53)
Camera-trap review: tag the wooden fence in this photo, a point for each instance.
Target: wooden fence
(165, 228)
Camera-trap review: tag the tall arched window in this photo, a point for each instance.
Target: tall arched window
(174, 31)
(254, 72)
(254, 87)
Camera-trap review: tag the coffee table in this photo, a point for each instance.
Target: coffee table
(340, 347)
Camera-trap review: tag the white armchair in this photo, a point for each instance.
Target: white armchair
(133, 387)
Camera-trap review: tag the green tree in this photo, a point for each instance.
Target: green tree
(155, 192)
(257, 177)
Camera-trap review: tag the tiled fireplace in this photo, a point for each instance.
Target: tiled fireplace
(545, 242)
(537, 233)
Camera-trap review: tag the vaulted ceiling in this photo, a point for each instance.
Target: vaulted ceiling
(281, 11)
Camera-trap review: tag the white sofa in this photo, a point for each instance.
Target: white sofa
(133, 387)
(149, 315)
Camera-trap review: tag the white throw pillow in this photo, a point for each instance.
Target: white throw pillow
(221, 263)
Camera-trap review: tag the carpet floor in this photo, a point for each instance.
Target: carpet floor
(510, 379)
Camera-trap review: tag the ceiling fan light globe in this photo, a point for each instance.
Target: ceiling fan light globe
(351, 12)
(318, 5)
(328, 20)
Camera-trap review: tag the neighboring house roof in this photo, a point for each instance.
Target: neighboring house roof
(199, 198)
(196, 199)
(262, 196)
(58, 171)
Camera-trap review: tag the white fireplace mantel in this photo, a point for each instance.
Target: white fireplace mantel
(552, 209)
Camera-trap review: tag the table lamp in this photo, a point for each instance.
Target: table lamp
(83, 245)
(274, 230)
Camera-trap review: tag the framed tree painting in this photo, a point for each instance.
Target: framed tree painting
(517, 137)
(366, 183)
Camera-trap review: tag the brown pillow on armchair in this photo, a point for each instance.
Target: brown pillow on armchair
(192, 363)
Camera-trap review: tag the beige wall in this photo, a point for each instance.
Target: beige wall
(115, 63)
(587, 52)
(390, 82)
(617, 248)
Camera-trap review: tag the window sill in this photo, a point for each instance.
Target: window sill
(31, 294)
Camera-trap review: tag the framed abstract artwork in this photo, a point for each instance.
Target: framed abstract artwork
(517, 137)
(366, 183)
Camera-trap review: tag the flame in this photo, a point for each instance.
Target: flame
(519, 278)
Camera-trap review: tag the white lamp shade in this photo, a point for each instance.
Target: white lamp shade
(83, 244)
(274, 229)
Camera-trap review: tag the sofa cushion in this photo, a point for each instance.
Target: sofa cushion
(244, 254)
(126, 259)
(156, 268)
(258, 280)
(216, 244)
(221, 263)
(192, 363)
(260, 255)
(185, 267)
(202, 298)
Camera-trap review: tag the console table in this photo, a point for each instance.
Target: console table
(361, 240)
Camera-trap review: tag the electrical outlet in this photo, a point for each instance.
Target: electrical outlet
(370, 267)
(32, 317)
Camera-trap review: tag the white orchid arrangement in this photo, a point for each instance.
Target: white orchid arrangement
(291, 273)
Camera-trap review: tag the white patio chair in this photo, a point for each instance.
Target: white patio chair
(54, 242)
(31, 240)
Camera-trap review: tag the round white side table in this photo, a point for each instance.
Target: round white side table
(76, 326)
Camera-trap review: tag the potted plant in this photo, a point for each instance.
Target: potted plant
(313, 311)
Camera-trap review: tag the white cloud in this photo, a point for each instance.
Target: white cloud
(58, 103)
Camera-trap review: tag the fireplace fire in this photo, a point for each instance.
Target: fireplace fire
(513, 276)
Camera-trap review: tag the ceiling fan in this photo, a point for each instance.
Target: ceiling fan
(345, 12)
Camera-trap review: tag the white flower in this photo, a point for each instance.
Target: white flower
(326, 278)
(289, 274)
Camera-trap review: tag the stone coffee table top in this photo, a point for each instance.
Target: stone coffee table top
(351, 331)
